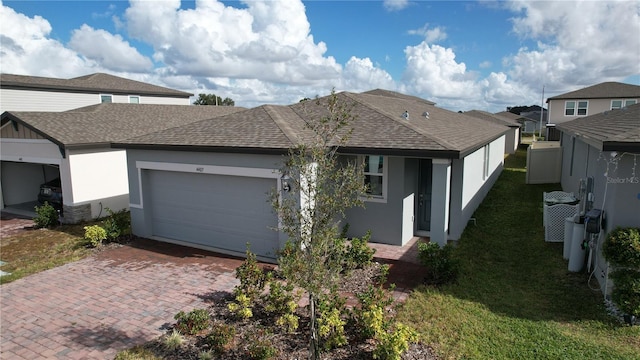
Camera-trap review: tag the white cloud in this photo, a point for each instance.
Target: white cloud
(395, 5)
(110, 51)
(485, 64)
(578, 43)
(27, 48)
(268, 41)
(361, 75)
(430, 35)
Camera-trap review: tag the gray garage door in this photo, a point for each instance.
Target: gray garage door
(217, 211)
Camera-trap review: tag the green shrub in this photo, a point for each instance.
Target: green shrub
(289, 322)
(46, 216)
(192, 322)
(330, 309)
(358, 254)
(626, 292)
(242, 307)
(260, 349)
(117, 223)
(439, 262)
(95, 235)
(220, 337)
(252, 277)
(622, 247)
(280, 299)
(392, 343)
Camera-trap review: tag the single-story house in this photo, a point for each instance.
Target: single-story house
(206, 184)
(512, 139)
(601, 155)
(75, 146)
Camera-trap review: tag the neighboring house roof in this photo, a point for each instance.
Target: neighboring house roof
(389, 93)
(509, 115)
(101, 124)
(614, 130)
(605, 90)
(378, 127)
(93, 83)
(498, 119)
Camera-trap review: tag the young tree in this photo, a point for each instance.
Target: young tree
(322, 188)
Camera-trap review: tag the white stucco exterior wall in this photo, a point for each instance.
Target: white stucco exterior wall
(99, 177)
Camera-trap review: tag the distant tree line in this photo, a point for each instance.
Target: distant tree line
(213, 99)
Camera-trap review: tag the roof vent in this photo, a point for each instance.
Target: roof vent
(405, 115)
(425, 114)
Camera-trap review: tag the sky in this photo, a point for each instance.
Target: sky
(463, 55)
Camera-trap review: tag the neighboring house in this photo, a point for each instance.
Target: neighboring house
(206, 184)
(512, 139)
(591, 100)
(34, 93)
(604, 149)
(74, 145)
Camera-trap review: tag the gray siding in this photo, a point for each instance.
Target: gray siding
(383, 219)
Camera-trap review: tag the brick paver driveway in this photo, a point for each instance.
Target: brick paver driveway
(93, 308)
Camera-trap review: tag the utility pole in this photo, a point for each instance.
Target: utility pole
(541, 111)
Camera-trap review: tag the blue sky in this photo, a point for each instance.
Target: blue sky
(462, 55)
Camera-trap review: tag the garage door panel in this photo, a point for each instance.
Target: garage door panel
(217, 211)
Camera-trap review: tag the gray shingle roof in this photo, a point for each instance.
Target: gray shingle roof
(605, 90)
(615, 130)
(93, 83)
(112, 122)
(495, 118)
(378, 125)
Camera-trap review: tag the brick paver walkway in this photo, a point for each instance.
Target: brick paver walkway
(93, 308)
(118, 298)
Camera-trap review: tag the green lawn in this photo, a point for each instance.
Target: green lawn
(515, 298)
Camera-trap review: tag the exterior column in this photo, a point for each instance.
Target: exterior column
(440, 195)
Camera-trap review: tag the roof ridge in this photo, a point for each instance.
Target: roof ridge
(282, 124)
(406, 124)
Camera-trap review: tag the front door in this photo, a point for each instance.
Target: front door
(424, 196)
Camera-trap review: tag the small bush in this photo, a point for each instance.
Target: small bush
(220, 337)
(192, 322)
(260, 349)
(289, 322)
(95, 235)
(252, 277)
(622, 247)
(391, 344)
(173, 340)
(117, 223)
(626, 293)
(205, 355)
(242, 307)
(358, 254)
(440, 264)
(46, 216)
(330, 310)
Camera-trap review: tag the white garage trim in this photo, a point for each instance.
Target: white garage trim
(35, 160)
(203, 169)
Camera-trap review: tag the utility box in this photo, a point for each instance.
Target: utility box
(544, 162)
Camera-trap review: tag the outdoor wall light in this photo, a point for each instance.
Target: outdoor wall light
(286, 187)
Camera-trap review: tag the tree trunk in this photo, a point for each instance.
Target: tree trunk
(314, 352)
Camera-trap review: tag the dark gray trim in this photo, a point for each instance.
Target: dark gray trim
(631, 147)
(7, 116)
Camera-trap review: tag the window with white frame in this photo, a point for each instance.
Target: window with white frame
(134, 99)
(619, 104)
(375, 173)
(573, 108)
(106, 98)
